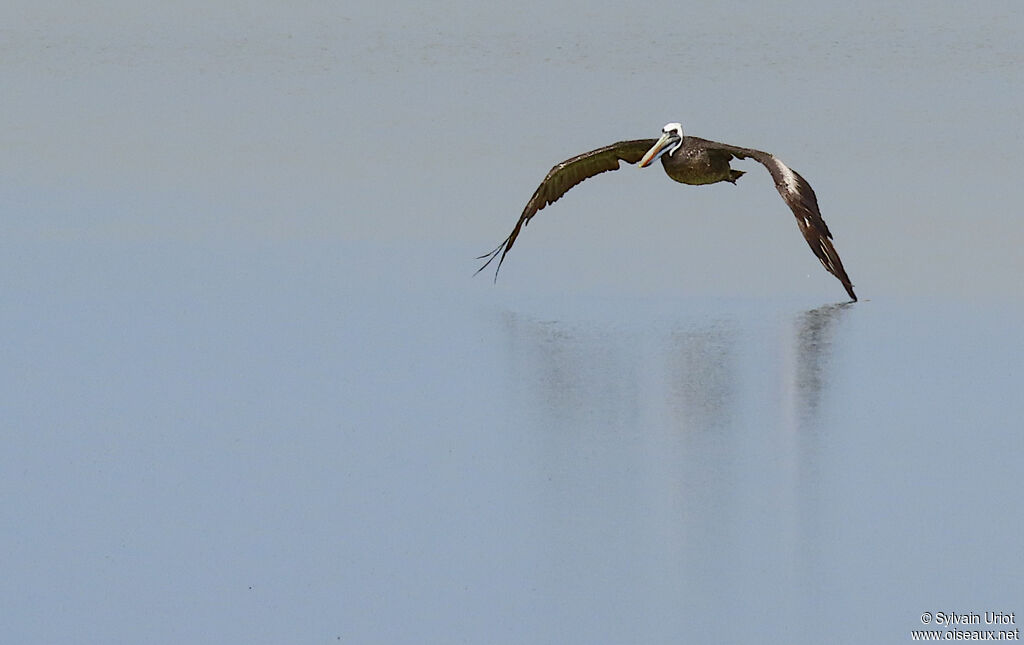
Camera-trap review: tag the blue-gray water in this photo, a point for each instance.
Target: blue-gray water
(252, 392)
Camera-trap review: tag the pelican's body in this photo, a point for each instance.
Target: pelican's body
(696, 163)
(688, 160)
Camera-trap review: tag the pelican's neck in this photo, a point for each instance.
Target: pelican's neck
(677, 129)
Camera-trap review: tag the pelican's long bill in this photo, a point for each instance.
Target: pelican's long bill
(659, 148)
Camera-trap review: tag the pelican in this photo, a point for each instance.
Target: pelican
(688, 160)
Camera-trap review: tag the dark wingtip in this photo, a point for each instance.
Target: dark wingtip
(490, 258)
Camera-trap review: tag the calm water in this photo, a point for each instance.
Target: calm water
(252, 392)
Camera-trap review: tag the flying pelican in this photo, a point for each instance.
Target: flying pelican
(689, 160)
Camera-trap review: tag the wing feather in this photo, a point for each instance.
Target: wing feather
(800, 198)
(564, 176)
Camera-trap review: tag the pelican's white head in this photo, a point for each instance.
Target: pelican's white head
(670, 141)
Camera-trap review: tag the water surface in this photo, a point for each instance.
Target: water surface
(252, 392)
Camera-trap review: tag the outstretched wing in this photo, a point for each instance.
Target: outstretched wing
(564, 176)
(799, 195)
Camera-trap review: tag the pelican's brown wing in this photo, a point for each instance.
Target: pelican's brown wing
(564, 176)
(800, 197)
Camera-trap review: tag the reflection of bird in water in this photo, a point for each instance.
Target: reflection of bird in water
(814, 331)
(704, 375)
(688, 160)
